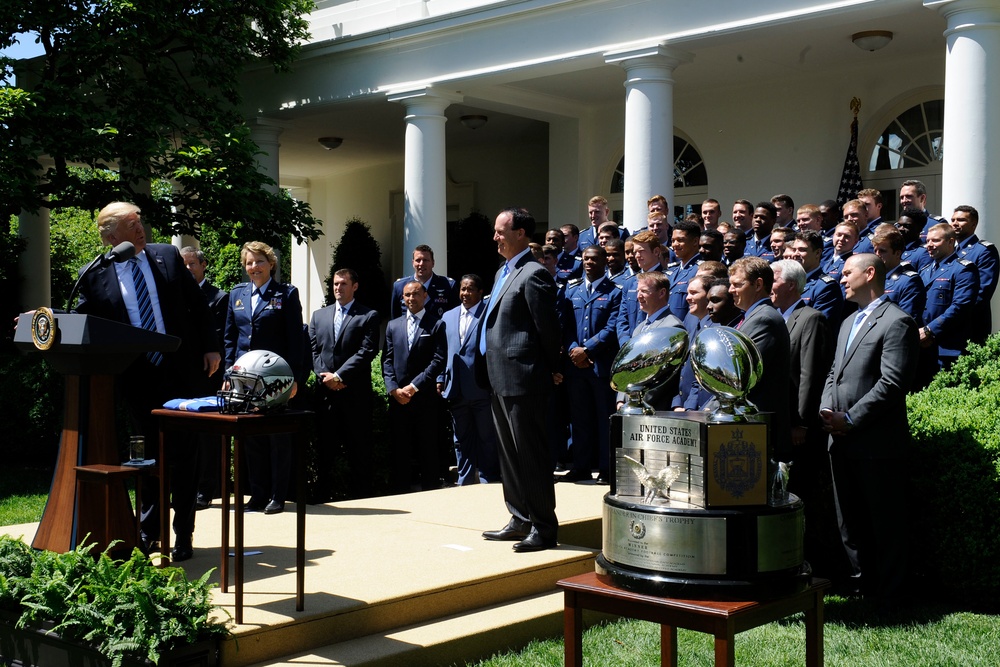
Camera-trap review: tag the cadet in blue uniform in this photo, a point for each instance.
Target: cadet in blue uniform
(845, 237)
(821, 292)
(910, 224)
(983, 254)
(589, 315)
(441, 292)
(759, 240)
(952, 289)
(568, 264)
(685, 246)
(690, 395)
(647, 251)
(903, 285)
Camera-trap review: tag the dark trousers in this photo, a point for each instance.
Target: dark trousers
(526, 461)
(475, 441)
(269, 467)
(591, 403)
(872, 511)
(415, 442)
(345, 432)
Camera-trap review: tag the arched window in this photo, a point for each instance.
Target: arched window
(913, 139)
(689, 168)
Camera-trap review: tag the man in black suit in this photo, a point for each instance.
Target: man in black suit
(442, 295)
(344, 342)
(414, 357)
(750, 280)
(864, 411)
(176, 307)
(519, 339)
(209, 464)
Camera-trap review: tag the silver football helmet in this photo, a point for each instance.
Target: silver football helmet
(259, 381)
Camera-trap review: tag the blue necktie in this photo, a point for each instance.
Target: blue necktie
(854, 329)
(146, 317)
(489, 307)
(338, 322)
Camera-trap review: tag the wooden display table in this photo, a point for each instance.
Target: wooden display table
(721, 619)
(238, 427)
(107, 477)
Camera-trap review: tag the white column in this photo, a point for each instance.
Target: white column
(266, 133)
(425, 212)
(970, 172)
(36, 261)
(649, 126)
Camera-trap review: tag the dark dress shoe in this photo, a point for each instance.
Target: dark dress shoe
(274, 507)
(181, 554)
(254, 507)
(602, 479)
(149, 546)
(513, 531)
(534, 542)
(202, 502)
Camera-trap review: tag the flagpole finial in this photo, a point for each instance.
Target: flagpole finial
(855, 105)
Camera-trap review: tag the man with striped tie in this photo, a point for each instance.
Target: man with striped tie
(155, 291)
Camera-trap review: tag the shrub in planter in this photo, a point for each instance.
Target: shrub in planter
(126, 610)
(955, 424)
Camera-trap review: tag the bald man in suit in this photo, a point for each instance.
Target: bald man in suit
(864, 411)
(519, 340)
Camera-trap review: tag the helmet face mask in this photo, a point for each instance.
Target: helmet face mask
(259, 381)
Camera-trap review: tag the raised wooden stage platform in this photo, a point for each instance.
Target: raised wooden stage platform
(398, 580)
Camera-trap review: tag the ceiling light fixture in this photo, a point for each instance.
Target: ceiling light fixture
(871, 40)
(473, 122)
(329, 143)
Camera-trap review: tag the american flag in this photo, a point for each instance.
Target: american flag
(850, 179)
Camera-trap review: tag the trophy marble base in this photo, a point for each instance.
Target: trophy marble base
(742, 553)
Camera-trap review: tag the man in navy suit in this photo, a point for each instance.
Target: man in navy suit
(519, 340)
(413, 358)
(590, 312)
(441, 294)
(469, 402)
(218, 303)
(343, 338)
(179, 309)
(864, 411)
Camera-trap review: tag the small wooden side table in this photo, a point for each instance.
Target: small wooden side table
(238, 427)
(104, 475)
(721, 619)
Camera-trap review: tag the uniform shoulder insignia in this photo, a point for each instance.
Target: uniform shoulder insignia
(673, 265)
(966, 262)
(620, 286)
(827, 278)
(912, 273)
(988, 244)
(574, 282)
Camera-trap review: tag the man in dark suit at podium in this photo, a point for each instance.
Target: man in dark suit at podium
(218, 302)
(154, 291)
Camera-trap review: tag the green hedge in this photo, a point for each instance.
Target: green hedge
(955, 464)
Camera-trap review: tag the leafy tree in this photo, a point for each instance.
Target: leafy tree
(358, 250)
(151, 90)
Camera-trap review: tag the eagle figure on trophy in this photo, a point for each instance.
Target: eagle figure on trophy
(657, 485)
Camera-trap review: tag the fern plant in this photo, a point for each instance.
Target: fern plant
(124, 608)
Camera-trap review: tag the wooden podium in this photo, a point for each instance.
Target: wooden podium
(89, 351)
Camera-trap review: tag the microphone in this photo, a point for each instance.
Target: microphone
(122, 252)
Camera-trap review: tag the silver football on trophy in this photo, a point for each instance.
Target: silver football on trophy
(647, 361)
(728, 365)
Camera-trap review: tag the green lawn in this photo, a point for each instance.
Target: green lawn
(926, 634)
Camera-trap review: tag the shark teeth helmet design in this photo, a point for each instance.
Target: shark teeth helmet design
(259, 381)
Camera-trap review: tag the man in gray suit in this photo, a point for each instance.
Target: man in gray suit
(864, 411)
(750, 281)
(519, 340)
